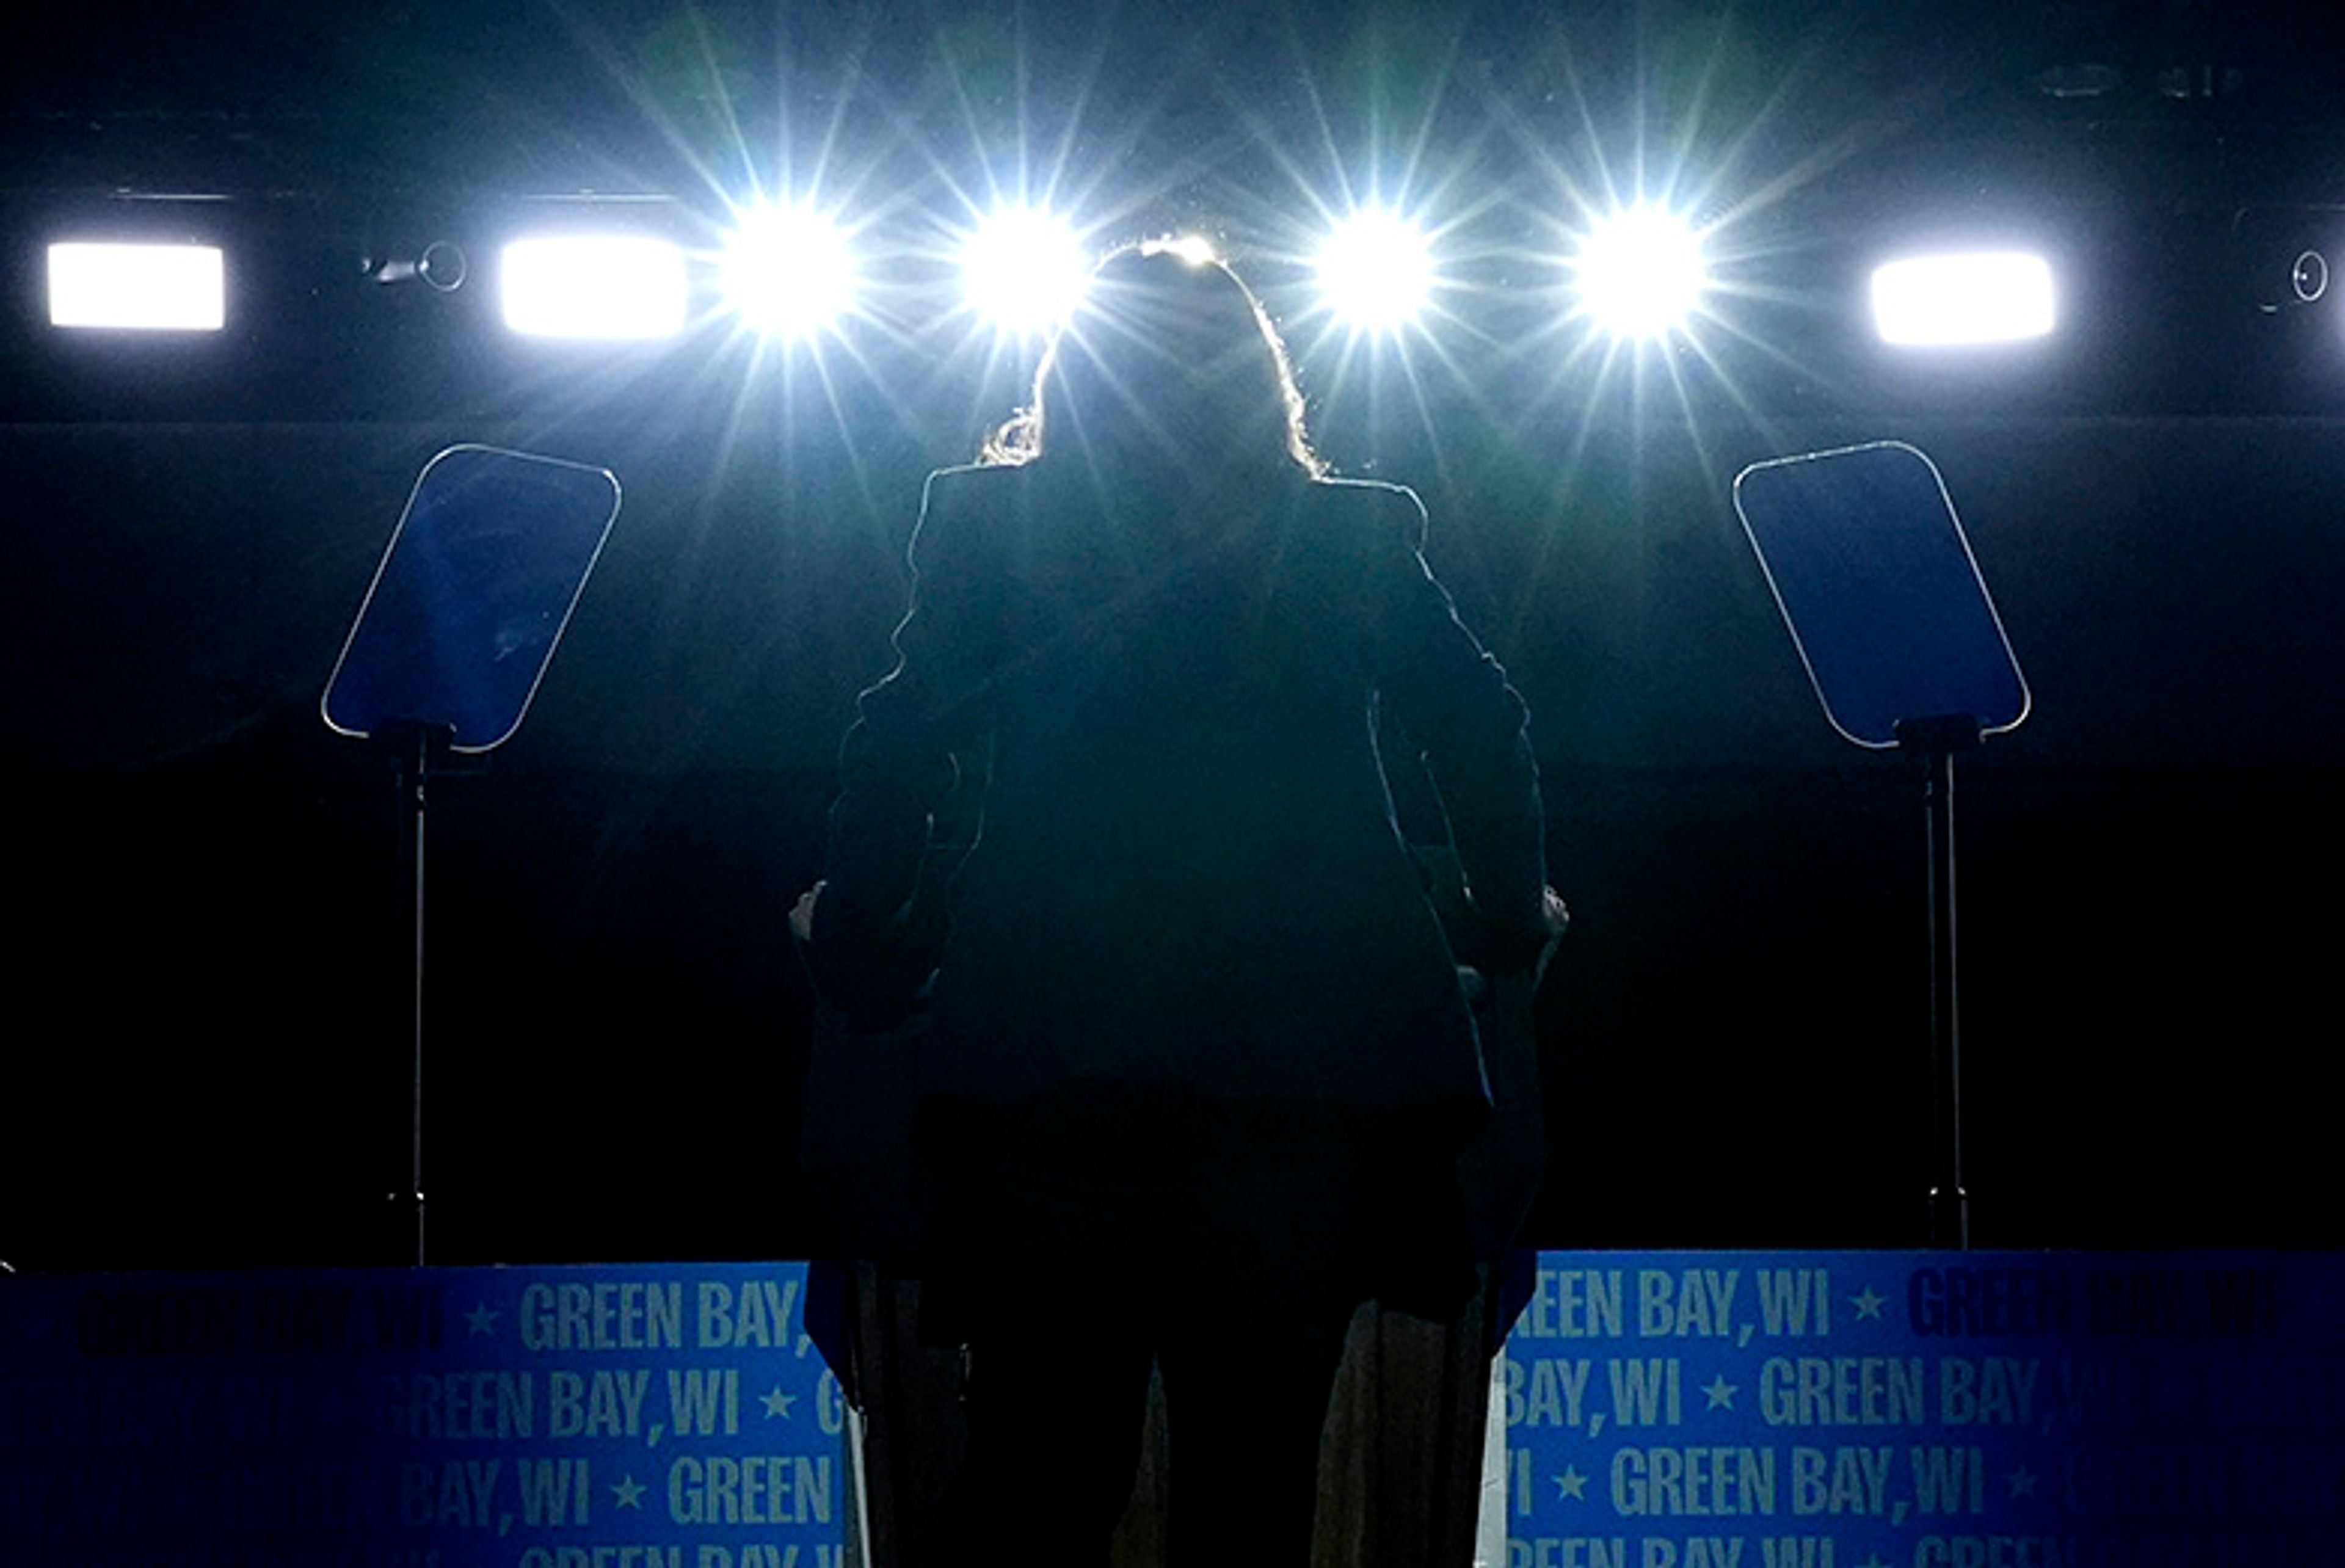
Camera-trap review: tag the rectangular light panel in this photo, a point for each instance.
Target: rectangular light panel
(1950, 300)
(140, 287)
(595, 287)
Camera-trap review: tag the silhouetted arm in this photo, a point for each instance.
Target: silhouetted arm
(896, 765)
(1472, 728)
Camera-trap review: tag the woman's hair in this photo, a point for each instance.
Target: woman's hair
(1172, 362)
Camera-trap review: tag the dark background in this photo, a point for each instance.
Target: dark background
(205, 979)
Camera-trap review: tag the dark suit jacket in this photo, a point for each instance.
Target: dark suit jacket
(1189, 874)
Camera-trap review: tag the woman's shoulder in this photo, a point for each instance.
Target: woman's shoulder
(974, 487)
(1378, 513)
(963, 509)
(967, 478)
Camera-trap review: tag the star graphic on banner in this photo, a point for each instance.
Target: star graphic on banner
(1721, 1392)
(2023, 1482)
(1868, 1303)
(481, 1319)
(777, 1403)
(1571, 1484)
(628, 1490)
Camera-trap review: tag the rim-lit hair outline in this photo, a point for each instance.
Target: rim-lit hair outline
(1020, 438)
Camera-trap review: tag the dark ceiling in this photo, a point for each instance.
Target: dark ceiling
(535, 94)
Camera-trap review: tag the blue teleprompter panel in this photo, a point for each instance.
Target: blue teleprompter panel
(1875, 579)
(666, 1416)
(1929, 1410)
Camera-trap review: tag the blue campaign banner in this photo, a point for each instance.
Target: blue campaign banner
(665, 1416)
(1867, 1409)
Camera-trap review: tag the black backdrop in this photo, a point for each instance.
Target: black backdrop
(207, 998)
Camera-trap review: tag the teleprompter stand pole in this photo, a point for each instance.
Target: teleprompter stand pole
(1935, 741)
(419, 752)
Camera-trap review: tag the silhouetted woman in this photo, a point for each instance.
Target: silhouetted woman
(1199, 1063)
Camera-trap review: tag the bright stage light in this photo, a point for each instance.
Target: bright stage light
(605, 286)
(1025, 270)
(788, 271)
(1641, 273)
(1983, 296)
(1376, 271)
(152, 287)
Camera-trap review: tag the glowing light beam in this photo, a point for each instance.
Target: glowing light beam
(788, 272)
(608, 287)
(1376, 271)
(1955, 299)
(1641, 273)
(148, 288)
(1025, 270)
